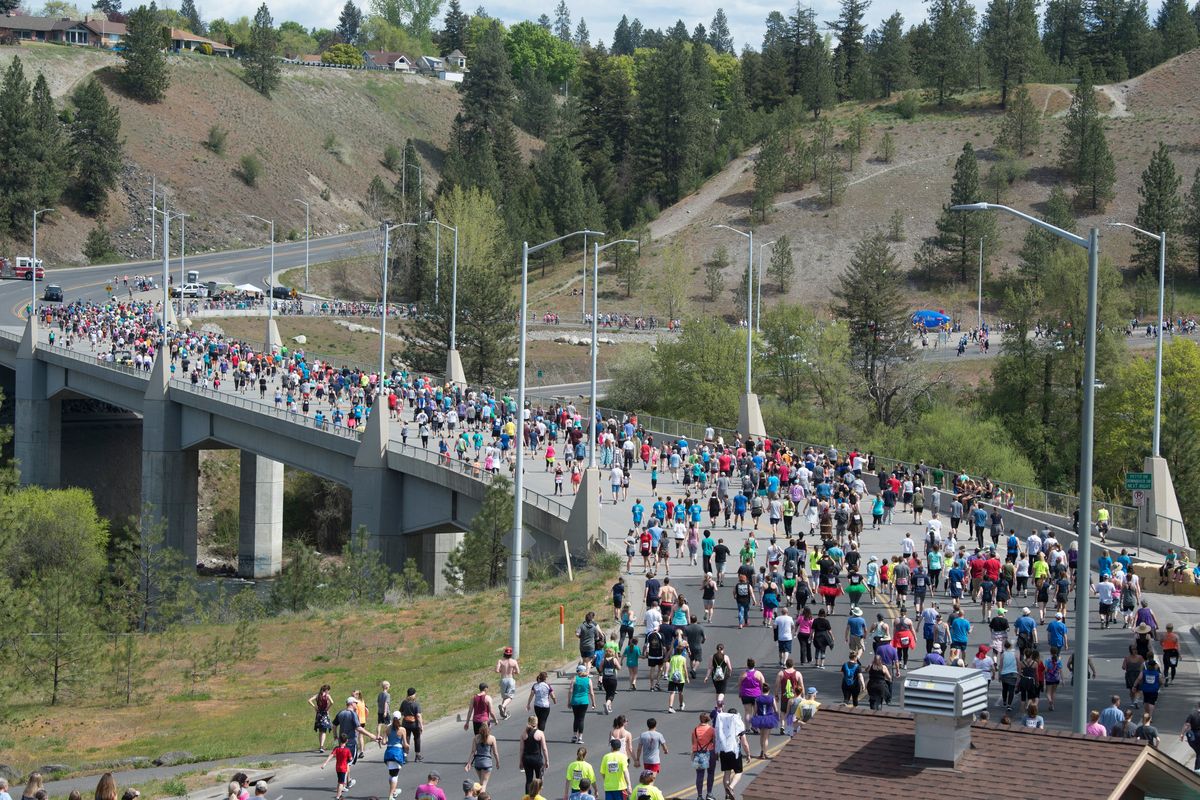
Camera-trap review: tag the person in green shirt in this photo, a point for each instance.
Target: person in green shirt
(646, 790)
(614, 767)
(677, 675)
(579, 770)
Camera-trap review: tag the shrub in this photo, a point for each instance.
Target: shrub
(392, 158)
(216, 139)
(326, 194)
(206, 48)
(249, 169)
(336, 149)
(908, 105)
(98, 248)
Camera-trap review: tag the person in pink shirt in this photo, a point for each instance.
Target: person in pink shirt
(1094, 728)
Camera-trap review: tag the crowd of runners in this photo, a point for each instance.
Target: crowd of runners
(781, 532)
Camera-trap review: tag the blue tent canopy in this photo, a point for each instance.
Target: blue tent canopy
(930, 319)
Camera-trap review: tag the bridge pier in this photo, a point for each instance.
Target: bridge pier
(374, 502)
(37, 438)
(170, 474)
(260, 536)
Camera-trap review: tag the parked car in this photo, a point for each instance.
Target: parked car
(53, 293)
(282, 292)
(194, 290)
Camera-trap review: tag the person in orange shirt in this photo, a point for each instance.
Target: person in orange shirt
(360, 708)
(1170, 650)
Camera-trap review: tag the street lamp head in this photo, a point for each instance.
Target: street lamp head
(971, 207)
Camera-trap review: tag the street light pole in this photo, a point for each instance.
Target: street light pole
(596, 248)
(1161, 238)
(437, 263)
(761, 273)
(271, 329)
(307, 234)
(387, 234)
(1091, 243)
(33, 267)
(454, 371)
(979, 308)
(516, 579)
(583, 294)
(182, 255)
(749, 416)
(153, 210)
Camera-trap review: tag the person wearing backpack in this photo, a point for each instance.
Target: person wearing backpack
(1053, 675)
(790, 689)
(853, 681)
(677, 676)
(719, 669)
(743, 595)
(655, 656)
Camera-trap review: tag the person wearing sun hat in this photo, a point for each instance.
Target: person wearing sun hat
(935, 657)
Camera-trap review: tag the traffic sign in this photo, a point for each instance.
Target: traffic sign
(1138, 480)
(1139, 497)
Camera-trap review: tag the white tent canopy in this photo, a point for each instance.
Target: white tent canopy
(249, 288)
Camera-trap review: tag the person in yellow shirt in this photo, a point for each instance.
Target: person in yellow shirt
(614, 767)
(646, 790)
(579, 770)
(535, 790)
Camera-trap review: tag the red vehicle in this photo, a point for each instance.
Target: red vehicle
(23, 269)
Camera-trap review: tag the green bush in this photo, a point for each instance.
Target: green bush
(226, 528)
(249, 170)
(98, 247)
(392, 158)
(216, 139)
(206, 48)
(908, 105)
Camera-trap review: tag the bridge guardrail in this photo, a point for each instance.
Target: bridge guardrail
(265, 408)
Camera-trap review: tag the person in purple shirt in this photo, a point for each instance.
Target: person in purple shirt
(430, 789)
(935, 656)
(891, 659)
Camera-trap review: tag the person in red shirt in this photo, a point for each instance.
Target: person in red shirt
(341, 756)
(976, 566)
(991, 568)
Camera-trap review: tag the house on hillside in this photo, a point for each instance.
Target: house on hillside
(108, 35)
(457, 61)
(182, 41)
(46, 29)
(450, 68)
(382, 59)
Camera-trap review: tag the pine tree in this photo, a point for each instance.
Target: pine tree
(1191, 217)
(536, 108)
(145, 72)
(714, 273)
(18, 173)
(1010, 39)
(887, 148)
(827, 166)
(481, 560)
(562, 21)
(55, 644)
(850, 53)
(560, 177)
(1096, 173)
(454, 30)
(582, 35)
(662, 141)
(781, 268)
(1176, 27)
(350, 20)
(870, 300)
(1082, 115)
(768, 174)
(103, 6)
(544, 23)
(1021, 128)
(959, 232)
(623, 43)
(1159, 210)
(719, 36)
(891, 58)
(947, 65)
(1039, 243)
(50, 150)
(1063, 31)
(817, 76)
(188, 10)
(261, 65)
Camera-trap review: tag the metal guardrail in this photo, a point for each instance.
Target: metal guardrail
(1031, 498)
(232, 398)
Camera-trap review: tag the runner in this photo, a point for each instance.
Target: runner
(414, 723)
(533, 754)
(484, 755)
(396, 752)
(508, 669)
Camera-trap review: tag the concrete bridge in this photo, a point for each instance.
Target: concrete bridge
(413, 503)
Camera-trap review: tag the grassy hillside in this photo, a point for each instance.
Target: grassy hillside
(1159, 105)
(320, 137)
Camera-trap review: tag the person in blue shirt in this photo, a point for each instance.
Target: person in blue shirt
(660, 510)
(1026, 628)
(695, 512)
(1126, 561)
(773, 485)
(1056, 632)
(739, 510)
(960, 631)
(639, 511)
(954, 580)
(1104, 564)
(980, 519)
(655, 536)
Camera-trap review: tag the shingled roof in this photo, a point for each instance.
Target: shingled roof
(850, 752)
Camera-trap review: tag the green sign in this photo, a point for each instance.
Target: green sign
(1138, 480)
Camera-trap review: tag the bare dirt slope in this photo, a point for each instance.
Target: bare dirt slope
(357, 114)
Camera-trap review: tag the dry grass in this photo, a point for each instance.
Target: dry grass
(259, 706)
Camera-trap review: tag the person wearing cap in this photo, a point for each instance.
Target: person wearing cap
(413, 722)
(349, 725)
(260, 789)
(396, 752)
(1026, 629)
(508, 669)
(430, 790)
(614, 770)
(856, 630)
(1056, 632)
(481, 710)
(935, 657)
(646, 790)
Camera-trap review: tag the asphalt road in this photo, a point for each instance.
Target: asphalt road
(235, 266)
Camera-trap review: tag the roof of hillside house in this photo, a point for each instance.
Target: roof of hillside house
(23, 23)
(385, 57)
(178, 34)
(852, 752)
(105, 28)
(456, 53)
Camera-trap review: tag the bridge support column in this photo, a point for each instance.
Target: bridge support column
(170, 474)
(260, 539)
(376, 492)
(37, 440)
(583, 527)
(436, 547)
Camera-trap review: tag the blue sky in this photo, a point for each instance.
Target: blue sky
(745, 18)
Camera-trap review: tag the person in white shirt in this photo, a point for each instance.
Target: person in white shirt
(1106, 594)
(614, 479)
(1033, 545)
(933, 533)
(652, 618)
(907, 546)
(732, 746)
(785, 628)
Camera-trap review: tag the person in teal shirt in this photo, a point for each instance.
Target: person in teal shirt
(639, 511)
(707, 545)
